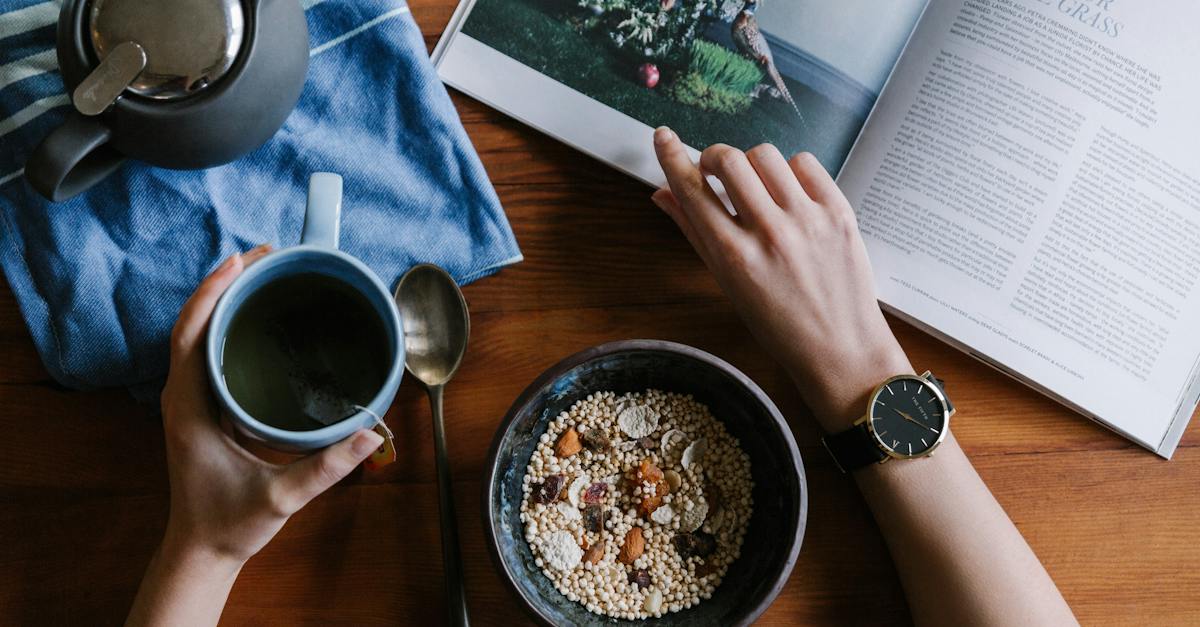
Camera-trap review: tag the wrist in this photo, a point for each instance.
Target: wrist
(183, 554)
(838, 394)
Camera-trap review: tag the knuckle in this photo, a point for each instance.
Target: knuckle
(280, 502)
(761, 151)
(843, 220)
(691, 190)
(719, 156)
(729, 159)
(807, 160)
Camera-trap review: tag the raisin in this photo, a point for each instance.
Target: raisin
(706, 568)
(648, 472)
(596, 492)
(647, 442)
(648, 505)
(706, 543)
(698, 544)
(640, 578)
(594, 517)
(595, 441)
(548, 490)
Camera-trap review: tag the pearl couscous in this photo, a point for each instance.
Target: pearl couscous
(635, 505)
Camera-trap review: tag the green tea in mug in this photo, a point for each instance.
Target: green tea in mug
(303, 350)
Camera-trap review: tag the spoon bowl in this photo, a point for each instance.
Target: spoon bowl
(436, 323)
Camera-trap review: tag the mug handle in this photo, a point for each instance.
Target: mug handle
(323, 216)
(72, 158)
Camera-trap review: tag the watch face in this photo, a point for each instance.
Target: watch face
(908, 416)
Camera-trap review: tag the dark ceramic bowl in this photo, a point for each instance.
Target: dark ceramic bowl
(776, 529)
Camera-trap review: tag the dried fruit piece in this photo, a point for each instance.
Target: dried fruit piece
(694, 453)
(649, 505)
(673, 479)
(595, 493)
(663, 488)
(568, 444)
(698, 544)
(637, 421)
(595, 441)
(548, 490)
(634, 545)
(647, 442)
(647, 472)
(594, 517)
(705, 568)
(594, 553)
(640, 578)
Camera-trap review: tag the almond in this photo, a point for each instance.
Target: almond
(633, 547)
(568, 444)
(594, 553)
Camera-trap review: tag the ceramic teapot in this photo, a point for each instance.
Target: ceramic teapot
(182, 84)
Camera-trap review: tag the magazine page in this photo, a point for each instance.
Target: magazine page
(1028, 186)
(602, 74)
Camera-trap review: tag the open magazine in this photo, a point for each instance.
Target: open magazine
(1024, 171)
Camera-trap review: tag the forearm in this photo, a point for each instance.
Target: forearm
(183, 586)
(961, 560)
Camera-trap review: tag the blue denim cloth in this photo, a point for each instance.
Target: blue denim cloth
(100, 278)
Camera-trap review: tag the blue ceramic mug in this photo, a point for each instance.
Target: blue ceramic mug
(317, 253)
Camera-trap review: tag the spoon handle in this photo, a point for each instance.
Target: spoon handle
(456, 595)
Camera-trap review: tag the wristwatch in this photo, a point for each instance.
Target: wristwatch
(908, 416)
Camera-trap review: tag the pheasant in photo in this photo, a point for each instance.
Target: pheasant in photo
(750, 42)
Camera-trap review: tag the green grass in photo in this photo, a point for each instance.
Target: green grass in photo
(717, 79)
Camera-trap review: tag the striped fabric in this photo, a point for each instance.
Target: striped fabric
(100, 278)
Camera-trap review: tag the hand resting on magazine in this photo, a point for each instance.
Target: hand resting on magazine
(795, 266)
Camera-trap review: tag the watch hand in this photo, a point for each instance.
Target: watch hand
(914, 420)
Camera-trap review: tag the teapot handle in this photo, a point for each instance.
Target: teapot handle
(72, 158)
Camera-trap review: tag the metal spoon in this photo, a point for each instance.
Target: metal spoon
(436, 327)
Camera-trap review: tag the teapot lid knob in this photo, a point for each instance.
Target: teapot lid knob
(189, 44)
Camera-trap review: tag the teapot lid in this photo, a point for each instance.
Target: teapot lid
(189, 44)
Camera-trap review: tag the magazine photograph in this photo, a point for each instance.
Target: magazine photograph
(802, 74)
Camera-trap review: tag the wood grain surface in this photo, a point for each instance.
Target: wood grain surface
(83, 492)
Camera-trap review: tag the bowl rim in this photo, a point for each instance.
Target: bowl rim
(552, 373)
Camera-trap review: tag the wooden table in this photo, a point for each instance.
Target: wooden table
(83, 491)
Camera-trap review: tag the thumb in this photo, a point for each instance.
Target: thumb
(305, 479)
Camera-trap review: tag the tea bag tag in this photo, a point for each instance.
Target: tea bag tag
(386, 453)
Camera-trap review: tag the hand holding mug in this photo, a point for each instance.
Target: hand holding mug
(223, 498)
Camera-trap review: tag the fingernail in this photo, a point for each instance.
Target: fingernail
(663, 135)
(365, 442)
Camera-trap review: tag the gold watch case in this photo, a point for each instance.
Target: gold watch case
(868, 418)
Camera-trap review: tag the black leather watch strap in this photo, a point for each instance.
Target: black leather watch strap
(853, 449)
(942, 386)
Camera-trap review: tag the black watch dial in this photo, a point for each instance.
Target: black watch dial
(908, 416)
